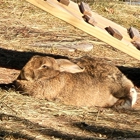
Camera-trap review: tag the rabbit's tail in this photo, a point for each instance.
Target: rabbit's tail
(133, 94)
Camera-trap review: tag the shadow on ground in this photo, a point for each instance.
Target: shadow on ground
(13, 61)
(132, 73)
(35, 129)
(16, 59)
(32, 130)
(109, 132)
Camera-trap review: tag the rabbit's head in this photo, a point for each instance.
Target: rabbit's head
(43, 66)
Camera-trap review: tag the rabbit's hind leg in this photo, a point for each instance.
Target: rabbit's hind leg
(127, 102)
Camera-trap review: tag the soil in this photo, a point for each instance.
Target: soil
(22, 33)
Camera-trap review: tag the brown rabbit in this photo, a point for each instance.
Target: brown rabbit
(36, 67)
(81, 82)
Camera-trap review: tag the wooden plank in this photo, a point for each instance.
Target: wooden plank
(115, 33)
(85, 9)
(65, 2)
(90, 20)
(72, 15)
(134, 34)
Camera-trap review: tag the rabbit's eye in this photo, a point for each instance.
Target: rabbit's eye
(44, 66)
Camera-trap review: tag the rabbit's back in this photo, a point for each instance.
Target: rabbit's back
(97, 67)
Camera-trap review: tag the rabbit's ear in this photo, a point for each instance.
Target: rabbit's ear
(67, 66)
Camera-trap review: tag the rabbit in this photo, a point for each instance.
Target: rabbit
(35, 68)
(80, 82)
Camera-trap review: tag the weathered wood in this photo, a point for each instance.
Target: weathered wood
(85, 9)
(90, 20)
(115, 33)
(134, 34)
(65, 2)
(72, 15)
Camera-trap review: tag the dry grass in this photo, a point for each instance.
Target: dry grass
(123, 14)
(22, 26)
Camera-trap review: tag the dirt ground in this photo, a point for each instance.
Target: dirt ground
(26, 31)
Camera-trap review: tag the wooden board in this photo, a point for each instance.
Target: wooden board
(72, 15)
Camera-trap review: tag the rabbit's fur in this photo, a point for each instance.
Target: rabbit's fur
(81, 82)
(36, 68)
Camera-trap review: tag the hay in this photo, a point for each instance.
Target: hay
(29, 118)
(23, 117)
